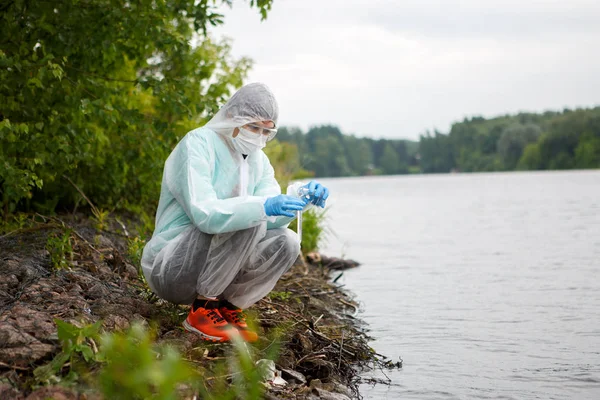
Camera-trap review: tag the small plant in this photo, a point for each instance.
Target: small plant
(136, 368)
(60, 247)
(313, 230)
(16, 222)
(100, 218)
(135, 247)
(77, 343)
(282, 296)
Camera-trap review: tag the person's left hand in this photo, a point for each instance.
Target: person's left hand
(317, 192)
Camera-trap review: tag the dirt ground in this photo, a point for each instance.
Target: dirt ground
(323, 346)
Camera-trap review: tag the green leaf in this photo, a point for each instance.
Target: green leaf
(34, 82)
(67, 332)
(87, 352)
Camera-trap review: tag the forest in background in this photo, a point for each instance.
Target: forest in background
(527, 141)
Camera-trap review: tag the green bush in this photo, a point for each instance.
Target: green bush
(60, 247)
(313, 229)
(135, 368)
(131, 365)
(104, 109)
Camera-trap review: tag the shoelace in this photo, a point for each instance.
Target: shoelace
(214, 316)
(238, 316)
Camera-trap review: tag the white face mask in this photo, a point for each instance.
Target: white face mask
(247, 142)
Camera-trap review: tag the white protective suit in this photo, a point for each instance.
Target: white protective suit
(212, 236)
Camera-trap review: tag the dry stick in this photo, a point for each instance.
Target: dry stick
(24, 230)
(123, 226)
(314, 353)
(13, 367)
(341, 347)
(317, 321)
(94, 209)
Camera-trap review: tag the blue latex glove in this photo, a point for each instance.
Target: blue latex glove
(317, 192)
(283, 205)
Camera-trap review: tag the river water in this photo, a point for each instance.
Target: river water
(486, 285)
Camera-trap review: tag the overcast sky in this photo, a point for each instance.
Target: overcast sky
(383, 68)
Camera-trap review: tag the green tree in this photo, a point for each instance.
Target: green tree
(587, 152)
(513, 141)
(531, 158)
(104, 88)
(390, 162)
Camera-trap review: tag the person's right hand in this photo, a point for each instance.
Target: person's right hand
(283, 205)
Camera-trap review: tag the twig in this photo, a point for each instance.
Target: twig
(317, 321)
(13, 367)
(94, 347)
(24, 230)
(341, 348)
(315, 355)
(338, 277)
(123, 226)
(94, 209)
(210, 378)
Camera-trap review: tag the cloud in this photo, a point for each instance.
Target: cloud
(395, 68)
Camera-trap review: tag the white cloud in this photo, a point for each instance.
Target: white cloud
(395, 68)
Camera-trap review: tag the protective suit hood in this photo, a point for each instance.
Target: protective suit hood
(252, 103)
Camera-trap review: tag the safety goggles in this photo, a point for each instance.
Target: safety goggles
(261, 130)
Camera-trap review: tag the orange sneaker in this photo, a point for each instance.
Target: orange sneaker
(209, 324)
(237, 319)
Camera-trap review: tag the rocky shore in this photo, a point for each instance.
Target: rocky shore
(322, 346)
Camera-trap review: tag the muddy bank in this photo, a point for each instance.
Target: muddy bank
(322, 344)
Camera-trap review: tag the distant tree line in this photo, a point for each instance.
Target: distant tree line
(553, 140)
(325, 151)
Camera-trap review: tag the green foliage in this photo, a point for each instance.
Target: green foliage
(525, 141)
(100, 218)
(313, 229)
(587, 152)
(281, 296)
(513, 141)
(60, 247)
(136, 368)
(135, 247)
(285, 161)
(16, 222)
(325, 151)
(100, 92)
(131, 365)
(78, 344)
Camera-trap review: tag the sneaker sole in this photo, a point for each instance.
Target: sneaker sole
(203, 335)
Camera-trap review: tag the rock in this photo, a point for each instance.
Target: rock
(104, 242)
(267, 368)
(338, 263)
(97, 291)
(35, 323)
(316, 383)
(343, 389)
(270, 373)
(326, 395)
(75, 289)
(293, 376)
(313, 258)
(11, 281)
(9, 392)
(131, 271)
(115, 322)
(20, 349)
(52, 392)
